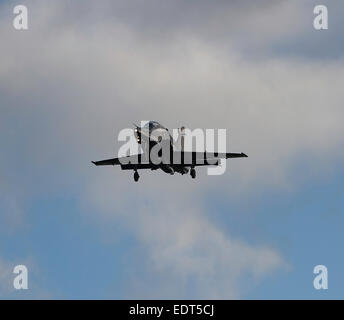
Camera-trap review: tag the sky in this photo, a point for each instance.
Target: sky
(85, 70)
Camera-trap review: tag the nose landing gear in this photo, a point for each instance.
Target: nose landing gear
(136, 176)
(193, 173)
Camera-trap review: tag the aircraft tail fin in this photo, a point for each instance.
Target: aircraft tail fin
(181, 139)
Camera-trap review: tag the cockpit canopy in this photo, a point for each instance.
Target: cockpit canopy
(152, 125)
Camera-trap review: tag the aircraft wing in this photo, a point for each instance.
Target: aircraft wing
(204, 158)
(230, 155)
(135, 159)
(184, 158)
(107, 162)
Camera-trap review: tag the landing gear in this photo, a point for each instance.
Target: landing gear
(193, 173)
(136, 176)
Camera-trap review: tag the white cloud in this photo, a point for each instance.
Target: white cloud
(183, 244)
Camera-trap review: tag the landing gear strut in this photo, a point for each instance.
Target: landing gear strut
(193, 173)
(136, 176)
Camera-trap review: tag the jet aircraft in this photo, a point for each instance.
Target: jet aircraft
(155, 136)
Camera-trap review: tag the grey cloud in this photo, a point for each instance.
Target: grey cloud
(68, 85)
(256, 29)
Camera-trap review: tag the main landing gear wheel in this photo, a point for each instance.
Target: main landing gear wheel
(136, 176)
(193, 173)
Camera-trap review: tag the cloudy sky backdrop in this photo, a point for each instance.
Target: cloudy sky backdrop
(85, 70)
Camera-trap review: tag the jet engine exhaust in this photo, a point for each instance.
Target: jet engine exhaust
(167, 169)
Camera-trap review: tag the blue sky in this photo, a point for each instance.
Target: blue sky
(82, 72)
(76, 262)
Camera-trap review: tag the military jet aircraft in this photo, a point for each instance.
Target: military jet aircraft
(155, 136)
